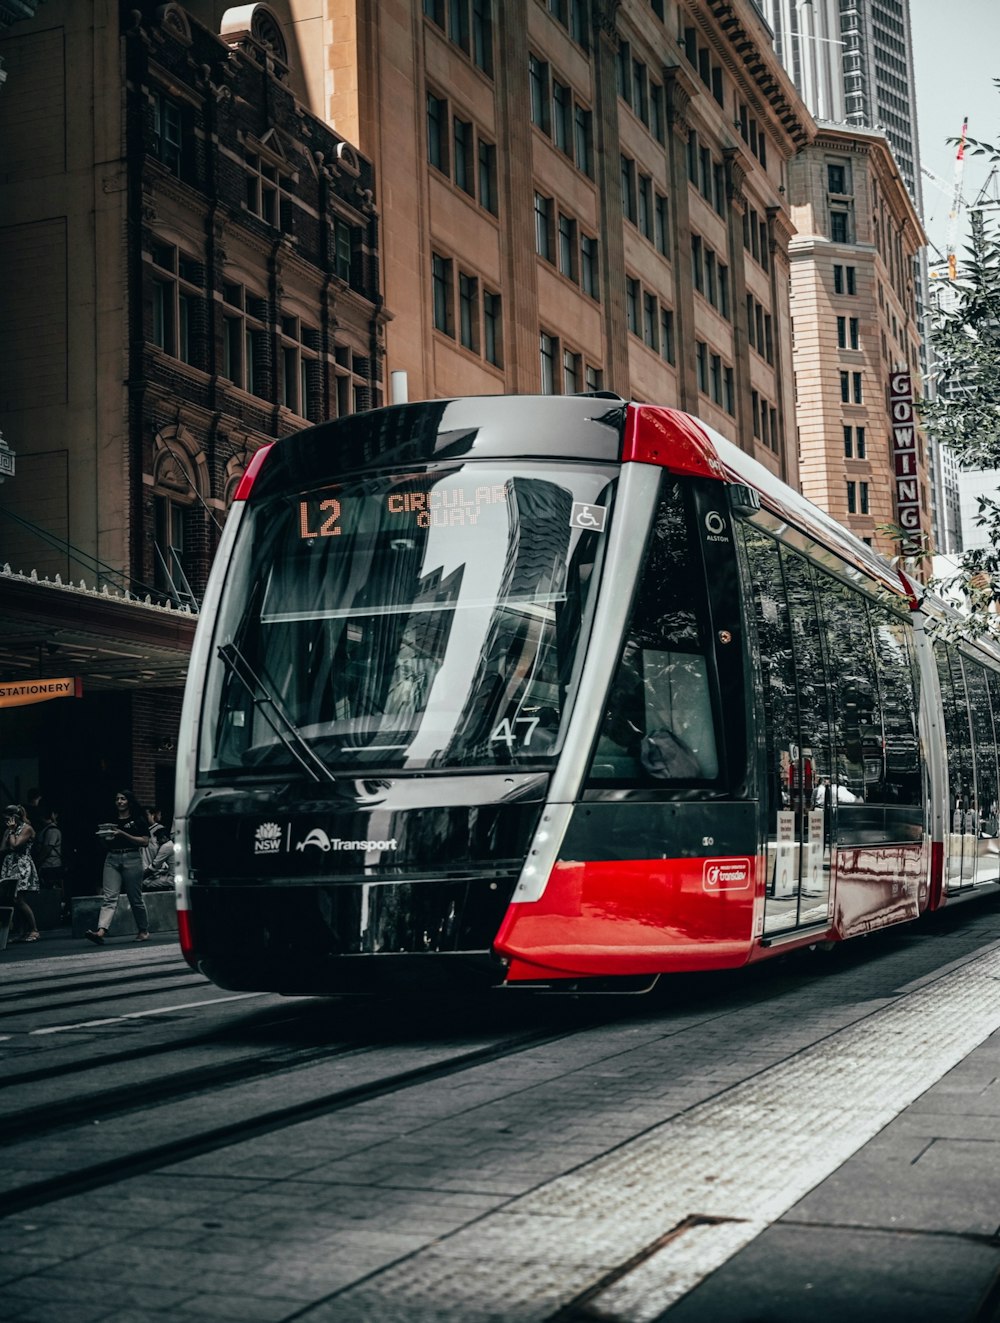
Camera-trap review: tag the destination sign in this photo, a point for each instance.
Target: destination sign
(436, 507)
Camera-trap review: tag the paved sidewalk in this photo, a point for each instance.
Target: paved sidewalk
(61, 942)
(905, 1230)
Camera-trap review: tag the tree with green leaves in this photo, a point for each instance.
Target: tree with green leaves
(964, 413)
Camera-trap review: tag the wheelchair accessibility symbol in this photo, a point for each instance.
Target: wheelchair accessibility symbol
(588, 516)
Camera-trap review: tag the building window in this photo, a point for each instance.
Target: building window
(543, 227)
(538, 77)
(492, 334)
(853, 338)
(632, 304)
(650, 321)
(301, 388)
(729, 391)
(701, 365)
(177, 294)
(547, 352)
(852, 498)
(462, 138)
(863, 494)
(583, 135)
(589, 277)
(168, 133)
(860, 440)
(839, 229)
(845, 387)
(562, 117)
(458, 23)
(572, 367)
(244, 338)
(667, 335)
(344, 236)
(594, 377)
(468, 311)
(482, 35)
(716, 378)
(841, 332)
(645, 200)
(836, 178)
(856, 388)
(437, 132)
(441, 287)
(263, 189)
(488, 176)
(567, 246)
(848, 442)
(661, 225)
(629, 204)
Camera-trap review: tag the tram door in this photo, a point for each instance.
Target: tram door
(960, 827)
(796, 733)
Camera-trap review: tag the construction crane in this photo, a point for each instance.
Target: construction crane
(957, 202)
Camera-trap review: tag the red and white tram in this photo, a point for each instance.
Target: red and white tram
(540, 691)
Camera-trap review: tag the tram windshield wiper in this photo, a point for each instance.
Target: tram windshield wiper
(272, 712)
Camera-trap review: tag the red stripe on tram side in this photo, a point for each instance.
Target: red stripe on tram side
(636, 916)
(671, 439)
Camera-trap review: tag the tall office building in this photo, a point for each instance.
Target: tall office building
(852, 62)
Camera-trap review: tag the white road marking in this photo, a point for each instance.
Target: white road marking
(139, 1015)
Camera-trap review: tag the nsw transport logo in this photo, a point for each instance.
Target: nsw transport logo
(267, 838)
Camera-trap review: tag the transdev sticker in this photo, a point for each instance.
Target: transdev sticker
(726, 875)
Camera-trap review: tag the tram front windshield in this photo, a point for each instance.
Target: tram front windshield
(426, 620)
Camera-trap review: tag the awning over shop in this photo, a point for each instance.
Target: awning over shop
(111, 642)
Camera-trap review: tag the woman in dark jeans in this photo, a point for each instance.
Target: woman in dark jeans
(125, 839)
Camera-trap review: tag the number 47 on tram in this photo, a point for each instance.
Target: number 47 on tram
(560, 692)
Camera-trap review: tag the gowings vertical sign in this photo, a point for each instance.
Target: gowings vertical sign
(904, 456)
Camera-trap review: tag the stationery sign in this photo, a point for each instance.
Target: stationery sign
(904, 456)
(16, 693)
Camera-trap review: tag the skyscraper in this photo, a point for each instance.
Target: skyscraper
(852, 63)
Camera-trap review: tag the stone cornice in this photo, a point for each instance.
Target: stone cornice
(743, 44)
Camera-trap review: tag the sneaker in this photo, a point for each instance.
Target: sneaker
(142, 937)
(96, 937)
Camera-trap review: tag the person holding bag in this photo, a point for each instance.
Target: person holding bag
(19, 867)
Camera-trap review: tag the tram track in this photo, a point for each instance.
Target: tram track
(122, 1166)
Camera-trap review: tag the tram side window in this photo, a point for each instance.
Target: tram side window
(857, 719)
(658, 724)
(903, 782)
(774, 648)
(991, 820)
(810, 679)
(956, 729)
(984, 808)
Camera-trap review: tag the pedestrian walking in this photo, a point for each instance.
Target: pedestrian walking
(18, 868)
(125, 838)
(48, 856)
